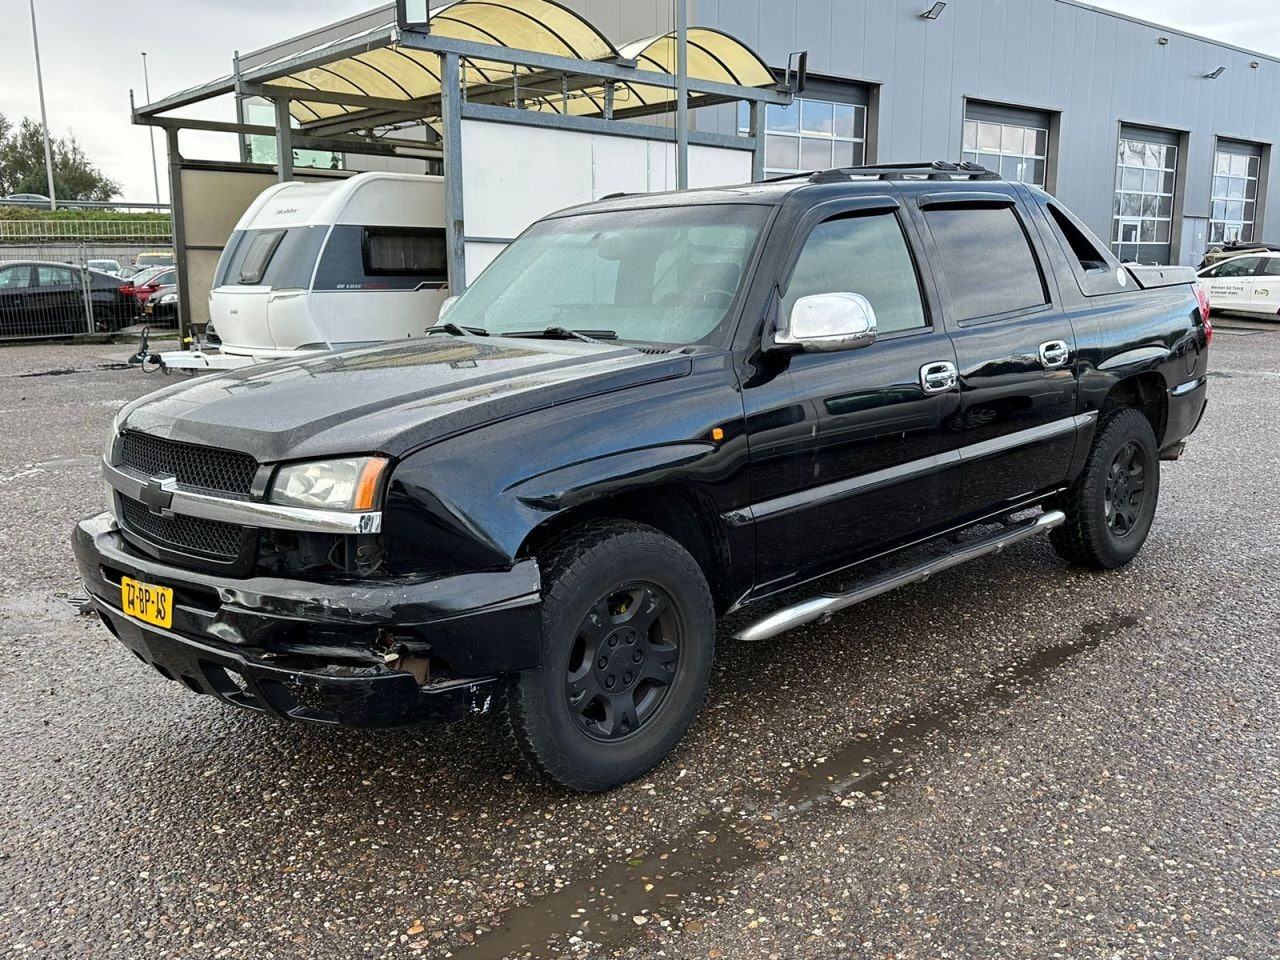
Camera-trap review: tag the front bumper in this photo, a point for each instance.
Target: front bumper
(351, 654)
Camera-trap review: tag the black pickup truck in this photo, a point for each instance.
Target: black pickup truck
(649, 414)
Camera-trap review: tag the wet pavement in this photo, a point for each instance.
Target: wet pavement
(1013, 759)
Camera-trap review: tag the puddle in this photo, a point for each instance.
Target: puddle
(669, 885)
(64, 463)
(60, 372)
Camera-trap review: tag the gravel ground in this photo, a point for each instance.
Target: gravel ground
(1015, 759)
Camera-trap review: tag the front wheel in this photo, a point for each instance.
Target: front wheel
(628, 635)
(1113, 503)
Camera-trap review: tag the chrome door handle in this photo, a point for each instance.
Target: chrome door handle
(938, 377)
(1054, 353)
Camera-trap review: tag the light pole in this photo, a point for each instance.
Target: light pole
(44, 119)
(146, 86)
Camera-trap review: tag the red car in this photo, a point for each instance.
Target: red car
(143, 285)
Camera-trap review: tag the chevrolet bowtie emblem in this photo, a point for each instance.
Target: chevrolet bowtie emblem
(157, 495)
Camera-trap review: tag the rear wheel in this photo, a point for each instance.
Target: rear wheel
(627, 643)
(1112, 505)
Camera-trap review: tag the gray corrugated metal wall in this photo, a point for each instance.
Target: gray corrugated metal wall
(1096, 69)
(1093, 68)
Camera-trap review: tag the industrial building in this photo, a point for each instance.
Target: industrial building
(1160, 140)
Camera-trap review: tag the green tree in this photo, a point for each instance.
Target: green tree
(22, 168)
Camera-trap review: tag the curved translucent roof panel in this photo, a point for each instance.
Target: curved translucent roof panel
(391, 73)
(713, 55)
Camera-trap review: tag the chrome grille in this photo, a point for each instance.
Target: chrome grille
(209, 538)
(208, 468)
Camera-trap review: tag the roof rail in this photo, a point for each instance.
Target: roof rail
(935, 170)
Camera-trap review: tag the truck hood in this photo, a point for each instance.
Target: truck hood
(389, 398)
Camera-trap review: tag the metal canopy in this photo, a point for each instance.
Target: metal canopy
(531, 62)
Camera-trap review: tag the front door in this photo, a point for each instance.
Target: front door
(1015, 348)
(1230, 283)
(15, 298)
(847, 448)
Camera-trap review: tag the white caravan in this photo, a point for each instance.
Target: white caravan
(321, 266)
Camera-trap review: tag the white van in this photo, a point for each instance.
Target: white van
(321, 266)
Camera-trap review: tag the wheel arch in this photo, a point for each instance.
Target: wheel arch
(1145, 392)
(681, 511)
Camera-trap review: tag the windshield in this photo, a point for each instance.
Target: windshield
(662, 274)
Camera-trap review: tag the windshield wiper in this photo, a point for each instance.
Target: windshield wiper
(457, 331)
(564, 333)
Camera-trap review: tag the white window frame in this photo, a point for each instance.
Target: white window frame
(778, 122)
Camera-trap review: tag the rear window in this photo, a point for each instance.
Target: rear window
(257, 255)
(986, 256)
(400, 251)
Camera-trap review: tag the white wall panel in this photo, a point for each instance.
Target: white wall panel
(513, 175)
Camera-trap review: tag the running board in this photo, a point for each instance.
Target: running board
(824, 605)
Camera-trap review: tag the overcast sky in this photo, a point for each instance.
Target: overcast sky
(90, 54)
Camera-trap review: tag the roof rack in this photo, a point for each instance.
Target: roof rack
(935, 170)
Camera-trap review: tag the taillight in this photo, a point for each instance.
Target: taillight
(1204, 313)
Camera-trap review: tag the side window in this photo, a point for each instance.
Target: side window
(54, 276)
(865, 254)
(15, 278)
(257, 255)
(986, 256)
(1097, 271)
(1271, 267)
(405, 251)
(1239, 267)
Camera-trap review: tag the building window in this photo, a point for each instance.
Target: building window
(1146, 173)
(1235, 193)
(1015, 151)
(811, 135)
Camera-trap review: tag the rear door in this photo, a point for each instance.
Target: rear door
(1230, 283)
(848, 452)
(1015, 346)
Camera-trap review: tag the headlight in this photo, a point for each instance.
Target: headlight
(169, 298)
(350, 484)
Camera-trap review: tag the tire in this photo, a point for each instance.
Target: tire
(627, 619)
(1111, 507)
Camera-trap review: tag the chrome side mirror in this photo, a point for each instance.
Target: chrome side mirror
(827, 322)
(446, 305)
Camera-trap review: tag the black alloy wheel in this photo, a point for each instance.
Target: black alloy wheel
(628, 639)
(624, 660)
(1112, 504)
(1125, 489)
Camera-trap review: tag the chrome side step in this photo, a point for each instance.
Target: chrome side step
(824, 605)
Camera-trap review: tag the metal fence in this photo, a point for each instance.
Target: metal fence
(74, 277)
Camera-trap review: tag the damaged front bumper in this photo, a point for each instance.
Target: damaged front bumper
(377, 653)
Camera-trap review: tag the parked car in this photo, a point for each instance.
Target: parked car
(26, 200)
(1248, 284)
(162, 305)
(40, 298)
(1216, 254)
(142, 286)
(157, 258)
(105, 266)
(648, 413)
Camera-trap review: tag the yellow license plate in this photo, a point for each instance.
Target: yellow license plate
(147, 602)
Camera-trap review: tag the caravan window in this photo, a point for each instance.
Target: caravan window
(258, 255)
(405, 250)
